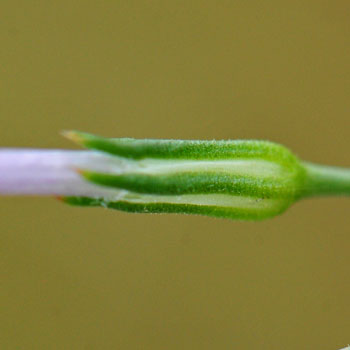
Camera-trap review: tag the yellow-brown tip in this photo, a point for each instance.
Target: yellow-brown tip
(84, 173)
(74, 136)
(80, 171)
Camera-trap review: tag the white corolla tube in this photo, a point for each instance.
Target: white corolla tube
(54, 172)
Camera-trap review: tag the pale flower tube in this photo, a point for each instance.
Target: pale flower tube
(54, 172)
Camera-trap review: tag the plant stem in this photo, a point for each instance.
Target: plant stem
(322, 180)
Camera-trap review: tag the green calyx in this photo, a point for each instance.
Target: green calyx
(245, 180)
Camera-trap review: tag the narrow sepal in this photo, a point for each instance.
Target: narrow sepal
(157, 208)
(196, 183)
(185, 149)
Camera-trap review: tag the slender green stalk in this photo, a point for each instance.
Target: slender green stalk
(322, 180)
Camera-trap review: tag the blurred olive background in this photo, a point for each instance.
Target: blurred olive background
(78, 278)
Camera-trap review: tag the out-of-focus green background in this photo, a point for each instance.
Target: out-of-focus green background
(73, 278)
